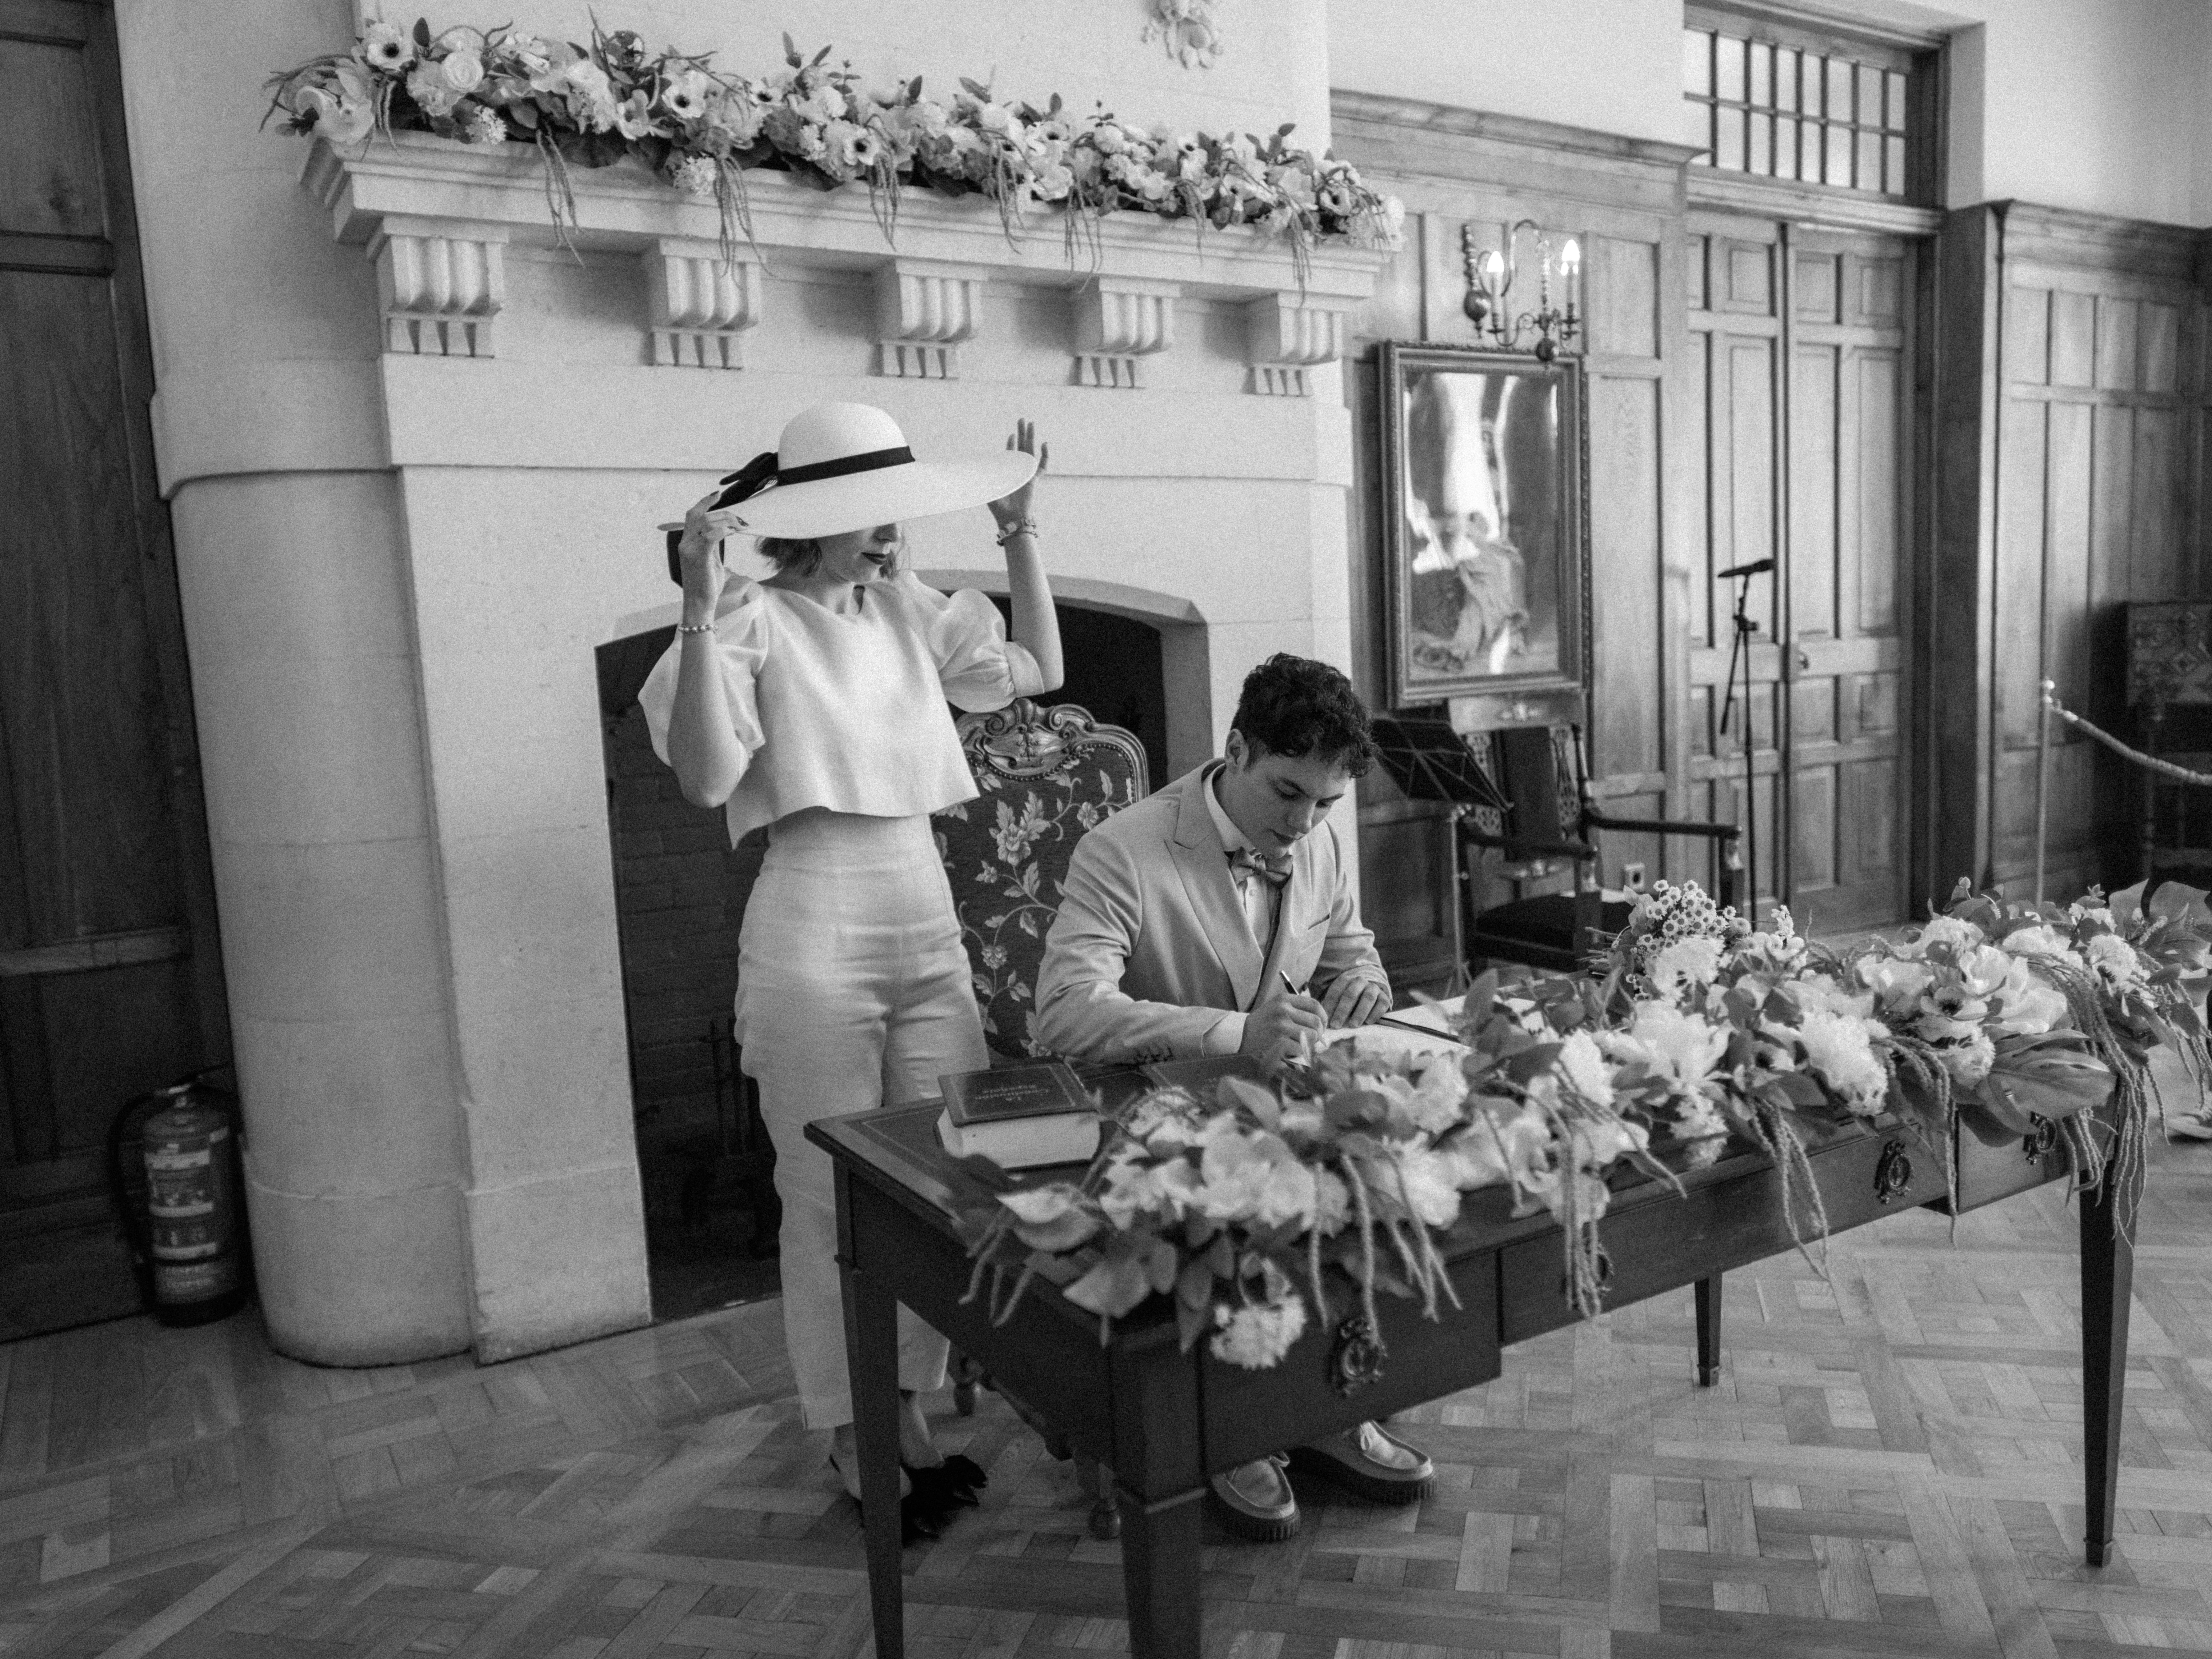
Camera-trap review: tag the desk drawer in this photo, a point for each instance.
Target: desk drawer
(1658, 1241)
(1988, 1173)
(1245, 1411)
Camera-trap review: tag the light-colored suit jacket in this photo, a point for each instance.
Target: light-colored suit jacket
(1151, 946)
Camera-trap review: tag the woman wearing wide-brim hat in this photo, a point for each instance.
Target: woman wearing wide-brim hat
(814, 704)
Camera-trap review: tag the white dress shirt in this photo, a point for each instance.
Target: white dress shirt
(1260, 899)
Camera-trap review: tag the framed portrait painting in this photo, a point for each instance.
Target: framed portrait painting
(1485, 524)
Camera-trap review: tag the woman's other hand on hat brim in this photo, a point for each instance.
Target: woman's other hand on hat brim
(698, 553)
(1014, 507)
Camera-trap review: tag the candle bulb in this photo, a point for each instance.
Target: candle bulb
(1570, 268)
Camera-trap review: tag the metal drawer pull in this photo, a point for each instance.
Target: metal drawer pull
(1894, 1174)
(1355, 1359)
(2042, 1135)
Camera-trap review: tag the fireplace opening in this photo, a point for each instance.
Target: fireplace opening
(680, 895)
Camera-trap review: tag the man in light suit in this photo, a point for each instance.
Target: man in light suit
(1202, 920)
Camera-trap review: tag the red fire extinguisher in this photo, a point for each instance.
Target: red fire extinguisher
(195, 1211)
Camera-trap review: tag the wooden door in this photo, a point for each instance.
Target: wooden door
(110, 980)
(1805, 399)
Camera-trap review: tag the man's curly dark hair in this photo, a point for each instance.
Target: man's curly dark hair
(1296, 706)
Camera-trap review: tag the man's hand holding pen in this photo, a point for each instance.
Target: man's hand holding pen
(1279, 1028)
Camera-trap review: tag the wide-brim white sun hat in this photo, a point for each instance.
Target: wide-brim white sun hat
(847, 467)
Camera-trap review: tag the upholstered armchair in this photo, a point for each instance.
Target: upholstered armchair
(1047, 775)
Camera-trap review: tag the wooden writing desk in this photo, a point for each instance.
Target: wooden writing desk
(1161, 1421)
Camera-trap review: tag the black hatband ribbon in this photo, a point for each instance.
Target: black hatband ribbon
(762, 472)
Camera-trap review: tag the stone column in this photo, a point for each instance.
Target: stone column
(291, 552)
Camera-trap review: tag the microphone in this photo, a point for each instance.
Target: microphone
(1756, 567)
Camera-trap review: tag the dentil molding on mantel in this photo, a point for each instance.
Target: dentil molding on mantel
(437, 215)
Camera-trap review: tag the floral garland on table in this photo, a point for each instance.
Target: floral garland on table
(1703, 1027)
(1238, 1207)
(1993, 1014)
(701, 129)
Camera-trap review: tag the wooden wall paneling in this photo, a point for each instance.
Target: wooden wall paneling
(1627, 712)
(2097, 501)
(1738, 431)
(1958, 579)
(103, 836)
(1848, 495)
(1682, 510)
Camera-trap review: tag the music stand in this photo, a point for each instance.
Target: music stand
(1430, 761)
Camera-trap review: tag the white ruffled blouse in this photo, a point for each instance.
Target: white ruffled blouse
(847, 712)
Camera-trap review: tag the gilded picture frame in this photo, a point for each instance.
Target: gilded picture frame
(1485, 526)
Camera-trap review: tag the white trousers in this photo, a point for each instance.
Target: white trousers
(853, 992)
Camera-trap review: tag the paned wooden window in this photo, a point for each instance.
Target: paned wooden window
(1810, 108)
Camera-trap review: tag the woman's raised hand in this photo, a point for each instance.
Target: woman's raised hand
(1013, 509)
(699, 553)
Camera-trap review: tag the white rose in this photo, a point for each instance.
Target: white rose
(462, 71)
(1686, 965)
(2114, 961)
(1898, 981)
(1582, 1063)
(1985, 968)
(1952, 931)
(1840, 1049)
(1257, 1337)
(1431, 1186)
(426, 85)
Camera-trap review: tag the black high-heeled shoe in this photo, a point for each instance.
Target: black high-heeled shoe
(953, 1482)
(921, 1514)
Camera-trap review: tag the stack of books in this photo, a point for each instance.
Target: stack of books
(1019, 1117)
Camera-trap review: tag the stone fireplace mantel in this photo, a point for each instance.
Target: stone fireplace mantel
(437, 215)
(416, 472)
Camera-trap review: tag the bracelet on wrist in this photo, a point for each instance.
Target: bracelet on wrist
(1019, 527)
(694, 628)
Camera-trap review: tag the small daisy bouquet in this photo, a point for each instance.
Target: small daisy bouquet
(591, 104)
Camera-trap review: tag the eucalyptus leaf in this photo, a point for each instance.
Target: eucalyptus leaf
(1244, 1093)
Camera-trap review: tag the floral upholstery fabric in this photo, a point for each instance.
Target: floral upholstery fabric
(1046, 775)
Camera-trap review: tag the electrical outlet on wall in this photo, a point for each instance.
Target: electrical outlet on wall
(1632, 877)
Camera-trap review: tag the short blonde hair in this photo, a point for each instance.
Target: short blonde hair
(791, 554)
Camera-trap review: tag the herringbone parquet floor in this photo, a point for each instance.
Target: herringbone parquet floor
(1889, 1467)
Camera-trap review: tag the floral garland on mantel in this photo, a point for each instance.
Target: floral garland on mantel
(700, 130)
(1990, 1016)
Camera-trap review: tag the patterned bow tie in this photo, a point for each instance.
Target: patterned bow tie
(1273, 868)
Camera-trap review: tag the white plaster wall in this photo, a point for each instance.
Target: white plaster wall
(2097, 105)
(1611, 65)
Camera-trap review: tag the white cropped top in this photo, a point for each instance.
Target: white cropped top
(847, 712)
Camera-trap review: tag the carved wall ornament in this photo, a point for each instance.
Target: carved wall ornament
(700, 305)
(924, 310)
(1119, 322)
(1288, 335)
(439, 285)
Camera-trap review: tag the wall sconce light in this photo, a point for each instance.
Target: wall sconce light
(1490, 277)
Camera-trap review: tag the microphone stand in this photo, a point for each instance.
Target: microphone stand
(1740, 652)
